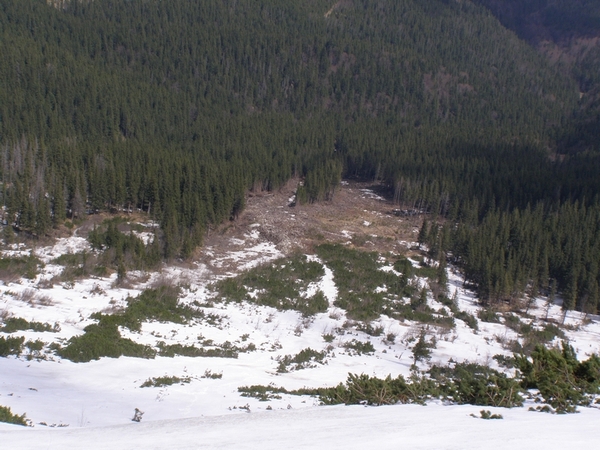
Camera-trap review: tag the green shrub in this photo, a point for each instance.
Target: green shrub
(20, 266)
(364, 389)
(463, 383)
(262, 393)
(404, 267)
(487, 415)
(359, 279)
(505, 361)
(13, 324)
(11, 345)
(513, 322)
(467, 318)
(226, 351)
(212, 375)
(469, 383)
(422, 348)
(103, 339)
(306, 359)
(488, 315)
(161, 305)
(231, 289)
(328, 337)
(35, 349)
(271, 392)
(444, 300)
(123, 251)
(359, 347)
(164, 381)
(313, 305)
(76, 265)
(370, 329)
(7, 416)
(563, 381)
(533, 337)
(279, 285)
(427, 272)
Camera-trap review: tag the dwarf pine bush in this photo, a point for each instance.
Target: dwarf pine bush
(104, 339)
(165, 381)
(474, 384)
(13, 324)
(280, 285)
(11, 345)
(563, 381)
(306, 359)
(7, 416)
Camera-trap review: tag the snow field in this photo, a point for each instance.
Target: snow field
(94, 402)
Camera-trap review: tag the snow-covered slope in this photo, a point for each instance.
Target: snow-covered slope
(339, 427)
(91, 404)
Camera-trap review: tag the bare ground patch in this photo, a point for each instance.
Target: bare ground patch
(357, 216)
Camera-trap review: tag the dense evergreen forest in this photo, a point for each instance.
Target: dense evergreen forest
(180, 108)
(567, 31)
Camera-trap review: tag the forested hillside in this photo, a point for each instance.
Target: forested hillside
(568, 33)
(180, 108)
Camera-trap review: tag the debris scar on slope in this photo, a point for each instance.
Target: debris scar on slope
(270, 227)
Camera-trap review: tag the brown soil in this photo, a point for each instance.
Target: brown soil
(355, 216)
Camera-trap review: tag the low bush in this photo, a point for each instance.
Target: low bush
(463, 383)
(11, 346)
(13, 324)
(532, 337)
(272, 392)
(358, 347)
(370, 329)
(367, 390)
(487, 415)
(563, 381)
(104, 339)
(225, 350)
(307, 358)
(467, 318)
(488, 315)
(7, 416)
(505, 361)
(359, 279)
(262, 393)
(363, 389)
(123, 251)
(11, 267)
(212, 375)
(469, 383)
(280, 285)
(34, 349)
(328, 337)
(164, 381)
(76, 265)
(513, 322)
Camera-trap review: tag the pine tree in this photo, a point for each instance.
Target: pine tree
(442, 278)
(551, 297)
(422, 349)
(423, 233)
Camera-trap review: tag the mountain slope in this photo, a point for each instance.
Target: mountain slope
(98, 95)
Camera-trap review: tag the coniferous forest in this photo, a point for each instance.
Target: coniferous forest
(181, 108)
